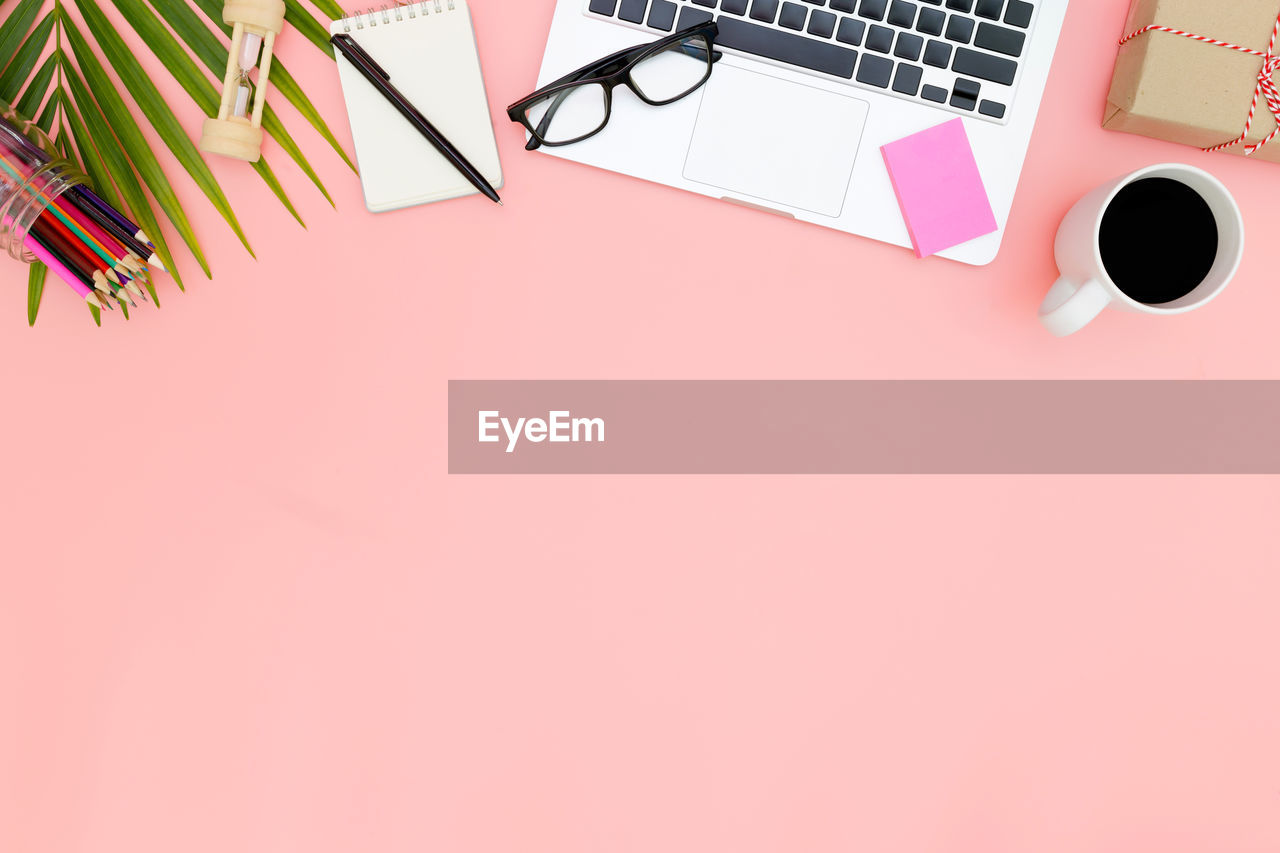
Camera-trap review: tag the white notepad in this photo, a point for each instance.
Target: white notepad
(429, 49)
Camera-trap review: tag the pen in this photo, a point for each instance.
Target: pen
(381, 81)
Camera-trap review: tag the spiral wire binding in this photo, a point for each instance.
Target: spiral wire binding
(370, 17)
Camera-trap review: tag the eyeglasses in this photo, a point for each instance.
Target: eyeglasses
(578, 105)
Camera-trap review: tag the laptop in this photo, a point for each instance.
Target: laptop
(792, 118)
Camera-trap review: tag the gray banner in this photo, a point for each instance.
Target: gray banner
(864, 427)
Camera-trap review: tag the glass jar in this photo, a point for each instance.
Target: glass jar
(32, 177)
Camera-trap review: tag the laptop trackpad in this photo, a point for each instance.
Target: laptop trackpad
(776, 140)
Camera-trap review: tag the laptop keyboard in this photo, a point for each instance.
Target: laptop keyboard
(962, 56)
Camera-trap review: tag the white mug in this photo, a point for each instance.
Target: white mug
(1085, 289)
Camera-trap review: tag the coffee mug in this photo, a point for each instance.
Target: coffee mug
(1162, 240)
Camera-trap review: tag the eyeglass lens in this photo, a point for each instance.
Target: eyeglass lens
(663, 77)
(569, 114)
(674, 72)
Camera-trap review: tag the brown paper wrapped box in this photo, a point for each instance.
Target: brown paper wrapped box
(1172, 87)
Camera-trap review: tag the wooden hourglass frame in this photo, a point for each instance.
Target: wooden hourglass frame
(237, 131)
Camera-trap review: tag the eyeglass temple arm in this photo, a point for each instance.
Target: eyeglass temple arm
(623, 56)
(595, 69)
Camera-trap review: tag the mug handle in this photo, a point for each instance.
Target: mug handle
(1070, 307)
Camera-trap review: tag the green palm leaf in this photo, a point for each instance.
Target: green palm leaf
(303, 21)
(280, 77)
(197, 85)
(25, 59)
(35, 289)
(16, 26)
(98, 133)
(101, 125)
(100, 175)
(118, 120)
(147, 96)
(328, 8)
(37, 87)
(188, 75)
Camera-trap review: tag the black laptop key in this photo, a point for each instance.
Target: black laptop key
(822, 24)
(937, 94)
(960, 29)
(908, 47)
(960, 5)
(690, 17)
(931, 21)
(873, 9)
(710, 4)
(906, 80)
(764, 10)
(632, 10)
(793, 15)
(902, 14)
(937, 54)
(999, 39)
(662, 15)
(991, 108)
(880, 39)
(817, 2)
(604, 7)
(989, 9)
(844, 5)
(1018, 14)
(850, 31)
(787, 47)
(985, 66)
(875, 71)
(734, 7)
(965, 94)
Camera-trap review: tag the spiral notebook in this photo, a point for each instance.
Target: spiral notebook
(429, 49)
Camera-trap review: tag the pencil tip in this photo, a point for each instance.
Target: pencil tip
(500, 204)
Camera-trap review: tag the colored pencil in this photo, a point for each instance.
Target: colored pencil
(48, 224)
(19, 139)
(114, 248)
(81, 238)
(107, 224)
(68, 213)
(73, 258)
(51, 234)
(130, 228)
(47, 258)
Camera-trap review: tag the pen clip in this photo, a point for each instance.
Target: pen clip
(348, 45)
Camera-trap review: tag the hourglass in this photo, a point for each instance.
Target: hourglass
(237, 131)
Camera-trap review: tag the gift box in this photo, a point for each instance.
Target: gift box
(1199, 72)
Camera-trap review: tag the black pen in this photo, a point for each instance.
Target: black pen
(381, 81)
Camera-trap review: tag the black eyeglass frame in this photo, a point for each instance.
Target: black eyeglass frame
(610, 72)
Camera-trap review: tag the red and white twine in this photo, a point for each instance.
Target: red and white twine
(1266, 83)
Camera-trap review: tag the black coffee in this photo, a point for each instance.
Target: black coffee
(1158, 240)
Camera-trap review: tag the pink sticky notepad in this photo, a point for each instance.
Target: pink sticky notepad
(939, 188)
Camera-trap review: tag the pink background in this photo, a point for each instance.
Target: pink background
(242, 607)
